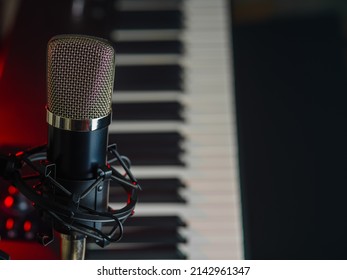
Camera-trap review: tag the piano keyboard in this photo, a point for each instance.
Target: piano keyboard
(174, 117)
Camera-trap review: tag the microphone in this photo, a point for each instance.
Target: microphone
(68, 179)
(80, 77)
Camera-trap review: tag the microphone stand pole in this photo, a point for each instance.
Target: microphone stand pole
(73, 246)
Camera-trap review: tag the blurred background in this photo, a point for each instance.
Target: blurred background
(232, 113)
(290, 85)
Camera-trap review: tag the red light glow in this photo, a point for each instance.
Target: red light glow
(12, 190)
(26, 96)
(19, 154)
(27, 226)
(2, 66)
(9, 224)
(8, 201)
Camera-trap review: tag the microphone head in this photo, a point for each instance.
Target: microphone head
(80, 77)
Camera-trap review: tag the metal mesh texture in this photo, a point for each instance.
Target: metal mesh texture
(80, 76)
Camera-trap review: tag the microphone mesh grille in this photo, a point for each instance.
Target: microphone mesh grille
(80, 76)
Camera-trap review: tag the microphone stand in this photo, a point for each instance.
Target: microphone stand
(73, 246)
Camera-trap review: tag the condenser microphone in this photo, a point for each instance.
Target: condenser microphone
(67, 180)
(80, 78)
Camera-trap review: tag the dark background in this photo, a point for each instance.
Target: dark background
(290, 82)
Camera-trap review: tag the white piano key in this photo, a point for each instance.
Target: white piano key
(181, 172)
(144, 35)
(135, 96)
(208, 140)
(140, 5)
(206, 164)
(207, 187)
(221, 152)
(143, 126)
(201, 128)
(207, 119)
(211, 215)
(196, 4)
(146, 59)
(159, 126)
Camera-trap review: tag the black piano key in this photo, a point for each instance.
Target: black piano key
(150, 148)
(150, 235)
(149, 77)
(156, 158)
(159, 233)
(92, 19)
(165, 190)
(146, 141)
(145, 111)
(149, 47)
(148, 197)
(163, 156)
(156, 221)
(153, 138)
(171, 183)
(149, 252)
(141, 20)
(150, 140)
(152, 222)
(148, 5)
(101, 17)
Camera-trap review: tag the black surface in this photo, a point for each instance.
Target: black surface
(290, 79)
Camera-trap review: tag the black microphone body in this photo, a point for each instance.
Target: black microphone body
(80, 75)
(77, 157)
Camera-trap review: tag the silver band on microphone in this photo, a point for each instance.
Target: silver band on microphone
(78, 125)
